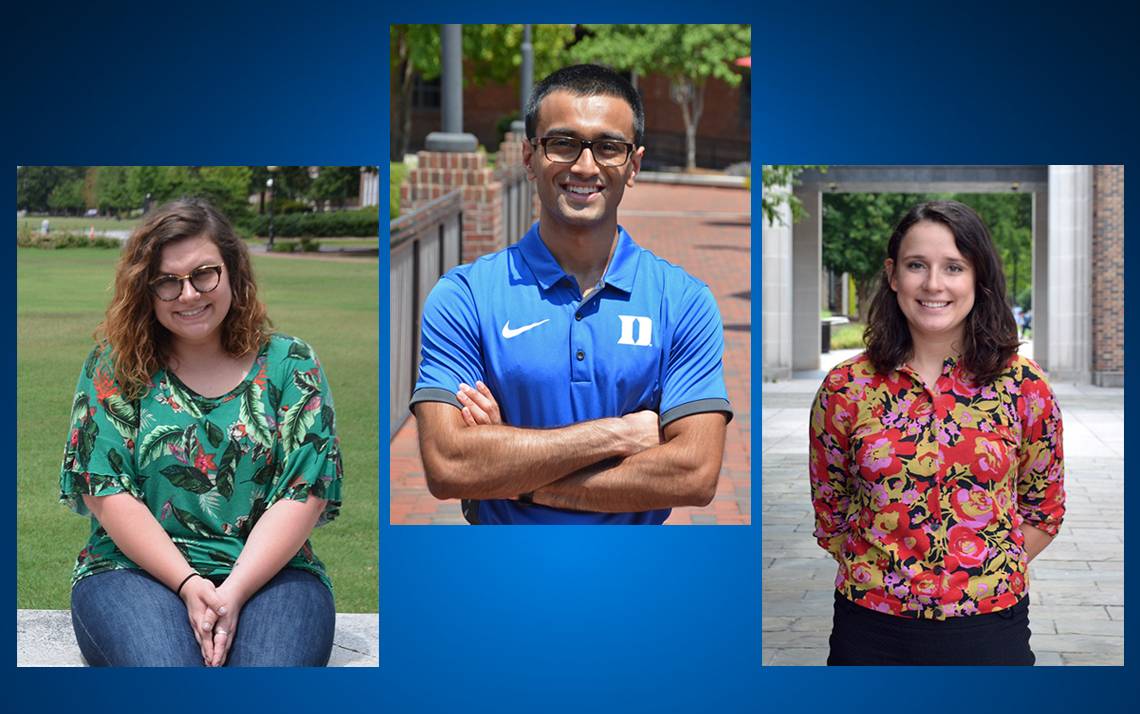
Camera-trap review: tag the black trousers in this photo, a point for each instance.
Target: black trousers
(861, 636)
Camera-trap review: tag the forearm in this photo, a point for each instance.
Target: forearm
(680, 472)
(1035, 540)
(278, 535)
(502, 462)
(140, 537)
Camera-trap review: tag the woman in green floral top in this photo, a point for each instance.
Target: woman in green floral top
(205, 449)
(936, 463)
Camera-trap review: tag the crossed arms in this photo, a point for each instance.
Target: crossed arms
(613, 465)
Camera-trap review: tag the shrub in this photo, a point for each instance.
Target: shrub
(846, 337)
(364, 222)
(308, 245)
(53, 241)
(285, 246)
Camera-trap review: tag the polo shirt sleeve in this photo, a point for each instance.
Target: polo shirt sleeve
(98, 459)
(450, 349)
(1041, 463)
(694, 369)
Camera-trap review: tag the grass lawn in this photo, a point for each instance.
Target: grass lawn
(61, 297)
(77, 223)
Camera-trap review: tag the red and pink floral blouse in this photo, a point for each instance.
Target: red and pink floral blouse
(920, 493)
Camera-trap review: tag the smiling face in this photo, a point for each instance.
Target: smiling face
(582, 194)
(933, 281)
(194, 318)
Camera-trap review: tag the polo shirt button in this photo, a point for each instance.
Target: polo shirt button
(581, 355)
(577, 316)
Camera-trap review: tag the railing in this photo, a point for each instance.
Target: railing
(518, 202)
(424, 245)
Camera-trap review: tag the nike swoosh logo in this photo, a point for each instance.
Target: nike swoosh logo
(509, 333)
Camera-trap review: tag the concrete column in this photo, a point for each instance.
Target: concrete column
(1069, 274)
(807, 252)
(776, 317)
(1041, 278)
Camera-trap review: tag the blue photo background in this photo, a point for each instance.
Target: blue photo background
(561, 619)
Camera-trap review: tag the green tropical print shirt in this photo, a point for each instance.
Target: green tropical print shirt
(207, 467)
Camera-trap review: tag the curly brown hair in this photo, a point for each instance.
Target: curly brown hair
(139, 344)
(989, 336)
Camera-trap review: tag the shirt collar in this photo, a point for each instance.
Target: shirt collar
(619, 274)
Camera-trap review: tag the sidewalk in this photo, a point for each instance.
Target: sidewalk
(706, 231)
(1076, 585)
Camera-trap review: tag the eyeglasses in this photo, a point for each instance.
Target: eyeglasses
(566, 150)
(204, 279)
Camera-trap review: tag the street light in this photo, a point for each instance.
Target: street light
(269, 187)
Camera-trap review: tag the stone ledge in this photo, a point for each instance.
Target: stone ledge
(44, 638)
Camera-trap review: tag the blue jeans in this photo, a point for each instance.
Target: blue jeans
(126, 618)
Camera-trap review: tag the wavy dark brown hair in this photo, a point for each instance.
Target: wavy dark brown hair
(989, 337)
(140, 345)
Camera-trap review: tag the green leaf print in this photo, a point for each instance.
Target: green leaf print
(191, 522)
(328, 418)
(319, 442)
(224, 481)
(187, 478)
(299, 350)
(115, 460)
(183, 400)
(88, 432)
(274, 396)
(251, 412)
(153, 444)
(306, 382)
(123, 415)
(296, 423)
(190, 443)
(89, 364)
(79, 407)
(214, 434)
(218, 557)
(264, 475)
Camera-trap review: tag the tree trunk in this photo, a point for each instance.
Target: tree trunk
(691, 97)
(864, 291)
(402, 112)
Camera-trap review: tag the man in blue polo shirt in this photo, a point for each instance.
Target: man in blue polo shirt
(601, 392)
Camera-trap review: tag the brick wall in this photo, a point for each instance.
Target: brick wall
(1108, 276)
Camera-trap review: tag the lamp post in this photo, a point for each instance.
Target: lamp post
(269, 187)
(452, 138)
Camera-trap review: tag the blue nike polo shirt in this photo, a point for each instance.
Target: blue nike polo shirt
(649, 337)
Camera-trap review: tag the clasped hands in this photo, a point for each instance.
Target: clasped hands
(213, 612)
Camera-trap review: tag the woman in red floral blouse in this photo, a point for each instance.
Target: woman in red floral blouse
(936, 462)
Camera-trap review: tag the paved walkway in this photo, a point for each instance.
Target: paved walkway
(1077, 584)
(707, 231)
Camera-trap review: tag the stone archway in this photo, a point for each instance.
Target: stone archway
(1062, 262)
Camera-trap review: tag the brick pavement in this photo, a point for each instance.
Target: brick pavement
(1077, 583)
(707, 231)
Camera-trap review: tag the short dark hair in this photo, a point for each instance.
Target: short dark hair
(990, 334)
(587, 80)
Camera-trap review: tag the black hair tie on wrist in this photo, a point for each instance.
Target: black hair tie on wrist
(178, 592)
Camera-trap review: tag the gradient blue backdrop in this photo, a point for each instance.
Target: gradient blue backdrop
(558, 619)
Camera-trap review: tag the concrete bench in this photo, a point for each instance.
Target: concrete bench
(44, 638)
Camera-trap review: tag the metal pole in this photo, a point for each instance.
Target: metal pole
(526, 80)
(452, 137)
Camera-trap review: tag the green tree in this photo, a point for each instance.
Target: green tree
(112, 191)
(67, 197)
(336, 184)
(1009, 216)
(689, 55)
(856, 227)
(491, 53)
(34, 184)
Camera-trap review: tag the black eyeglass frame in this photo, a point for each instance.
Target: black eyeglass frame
(216, 269)
(584, 144)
